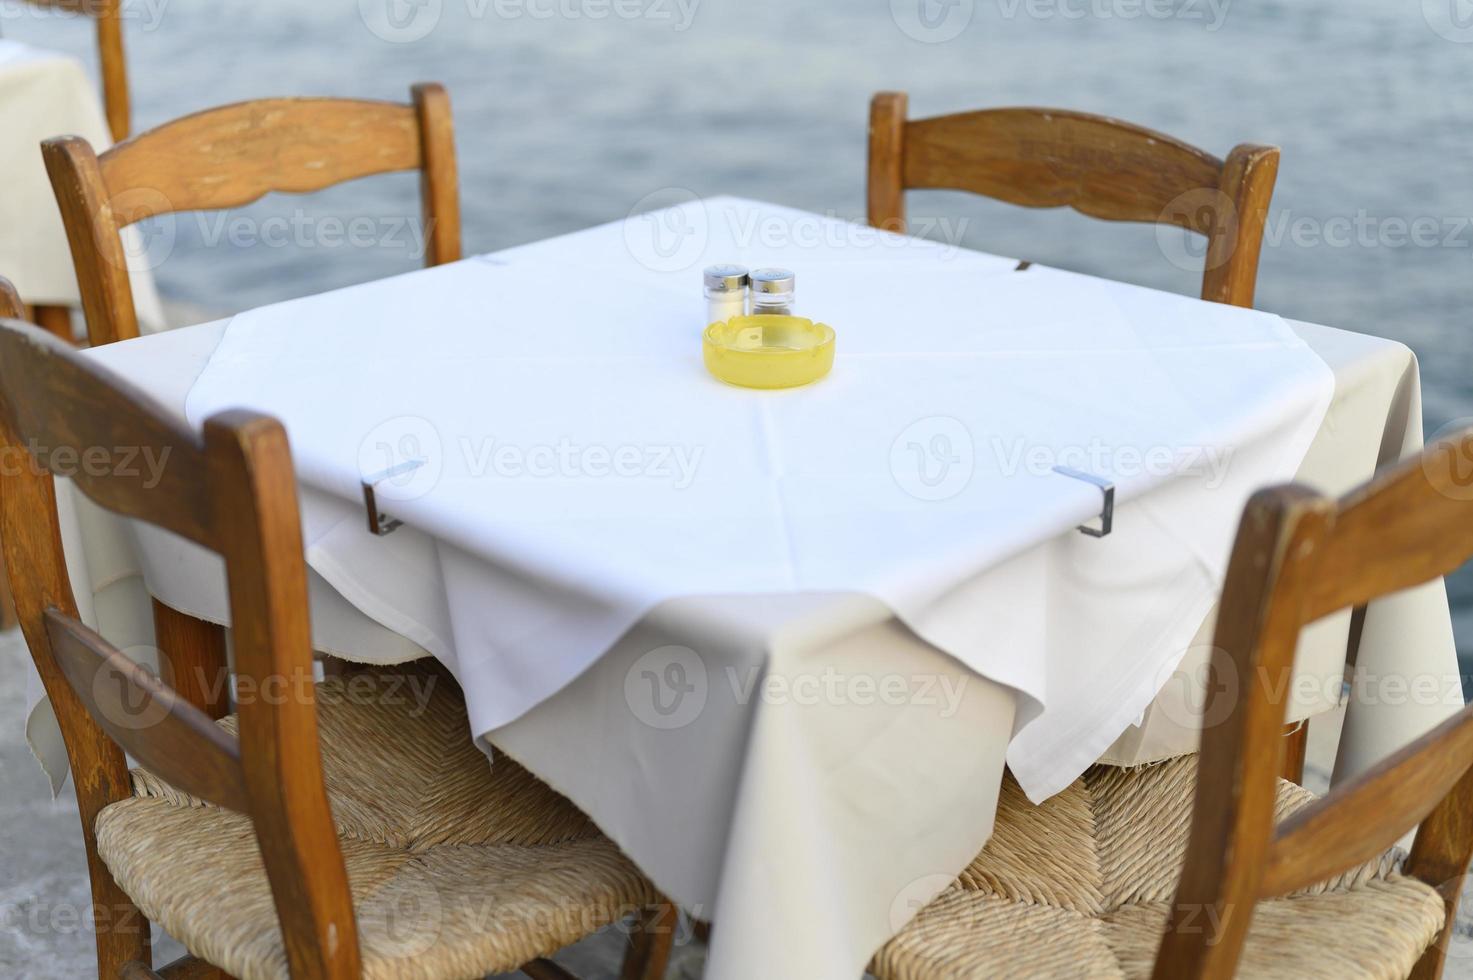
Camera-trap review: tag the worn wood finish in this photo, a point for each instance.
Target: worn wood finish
(439, 176)
(235, 493)
(192, 659)
(1098, 166)
(1335, 833)
(112, 61)
(31, 539)
(252, 482)
(147, 718)
(95, 239)
(1299, 557)
(134, 462)
(230, 156)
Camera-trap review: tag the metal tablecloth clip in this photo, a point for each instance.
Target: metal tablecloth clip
(1107, 490)
(379, 522)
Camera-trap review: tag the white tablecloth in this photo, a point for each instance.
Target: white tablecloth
(45, 94)
(811, 823)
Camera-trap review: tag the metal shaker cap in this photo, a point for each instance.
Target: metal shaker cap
(726, 278)
(777, 281)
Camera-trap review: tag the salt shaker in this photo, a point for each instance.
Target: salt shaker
(772, 292)
(726, 292)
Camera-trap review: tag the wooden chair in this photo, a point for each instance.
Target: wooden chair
(224, 158)
(1106, 168)
(114, 66)
(1243, 873)
(227, 157)
(318, 833)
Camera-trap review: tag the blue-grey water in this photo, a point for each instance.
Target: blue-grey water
(571, 111)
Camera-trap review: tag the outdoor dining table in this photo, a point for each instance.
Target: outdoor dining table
(43, 94)
(781, 646)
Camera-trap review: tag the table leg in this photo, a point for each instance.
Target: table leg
(192, 659)
(57, 319)
(1296, 742)
(649, 949)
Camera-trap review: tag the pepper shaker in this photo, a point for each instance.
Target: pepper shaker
(773, 291)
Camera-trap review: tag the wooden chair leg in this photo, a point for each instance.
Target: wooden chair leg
(7, 601)
(57, 319)
(1296, 743)
(546, 970)
(649, 949)
(193, 659)
(185, 968)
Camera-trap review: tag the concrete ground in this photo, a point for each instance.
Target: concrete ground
(43, 877)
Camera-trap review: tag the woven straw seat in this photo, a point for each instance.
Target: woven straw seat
(458, 867)
(1081, 887)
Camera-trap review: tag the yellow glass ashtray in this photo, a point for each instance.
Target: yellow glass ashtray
(769, 351)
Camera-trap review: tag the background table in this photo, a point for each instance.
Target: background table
(45, 94)
(811, 829)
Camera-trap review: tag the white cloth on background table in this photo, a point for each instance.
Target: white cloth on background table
(45, 94)
(814, 829)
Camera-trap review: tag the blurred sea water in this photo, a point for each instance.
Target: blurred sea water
(569, 112)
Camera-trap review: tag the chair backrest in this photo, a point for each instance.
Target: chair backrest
(114, 65)
(233, 491)
(1299, 557)
(1103, 167)
(227, 157)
